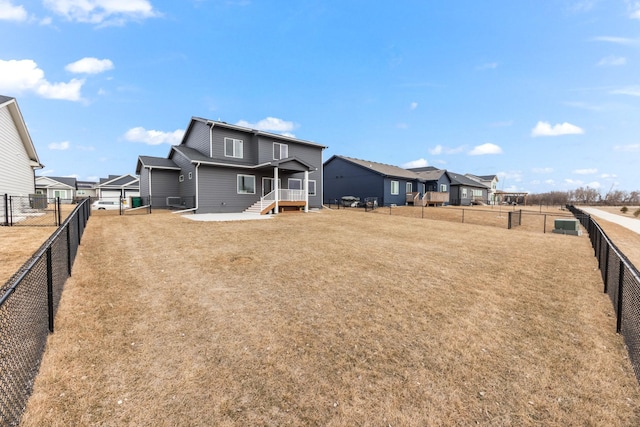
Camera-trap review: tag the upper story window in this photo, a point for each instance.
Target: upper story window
(443, 188)
(280, 151)
(233, 148)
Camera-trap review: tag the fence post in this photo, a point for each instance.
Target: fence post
(6, 209)
(50, 288)
(544, 227)
(620, 282)
(10, 210)
(463, 216)
(508, 220)
(59, 213)
(606, 270)
(68, 250)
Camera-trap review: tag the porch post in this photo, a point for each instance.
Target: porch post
(275, 184)
(306, 191)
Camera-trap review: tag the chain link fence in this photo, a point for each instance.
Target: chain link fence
(621, 283)
(33, 210)
(28, 303)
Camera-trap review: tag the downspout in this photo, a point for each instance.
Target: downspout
(211, 125)
(197, 195)
(275, 181)
(150, 169)
(306, 191)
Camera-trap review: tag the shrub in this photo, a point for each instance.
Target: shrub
(624, 209)
(637, 213)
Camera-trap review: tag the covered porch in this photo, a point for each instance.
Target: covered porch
(276, 199)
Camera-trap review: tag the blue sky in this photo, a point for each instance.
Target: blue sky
(544, 94)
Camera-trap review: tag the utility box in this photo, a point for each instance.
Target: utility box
(567, 226)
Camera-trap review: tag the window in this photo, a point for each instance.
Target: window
(409, 187)
(476, 193)
(443, 188)
(60, 193)
(280, 151)
(233, 148)
(246, 184)
(463, 193)
(190, 175)
(295, 184)
(181, 178)
(395, 187)
(312, 187)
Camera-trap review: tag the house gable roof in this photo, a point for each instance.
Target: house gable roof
(155, 163)
(459, 179)
(119, 181)
(380, 168)
(12, 105)
(56, 182)
(248, 130)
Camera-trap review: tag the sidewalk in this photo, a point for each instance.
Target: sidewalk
(630, 223)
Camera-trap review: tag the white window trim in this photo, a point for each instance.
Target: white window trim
(181, 178)
(280, 150)
(237, 151)
(443, 188)
(395, 184)
(238, 184)
(290, 180)
(314, 187)
(190, 175)
(409, 187)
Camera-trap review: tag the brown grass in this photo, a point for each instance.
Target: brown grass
(20, 242)
(336, 318)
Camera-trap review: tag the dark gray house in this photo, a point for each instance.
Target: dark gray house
(346, 176)
(220, 168)
(466, 191)
(391, 185)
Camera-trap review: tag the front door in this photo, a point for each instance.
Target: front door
(268, 185)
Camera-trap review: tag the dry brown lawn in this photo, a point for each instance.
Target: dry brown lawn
(19, 243)
(334, 318)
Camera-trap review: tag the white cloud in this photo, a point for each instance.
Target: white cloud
(594, 185)
(608, 175)
(487, 148)
(573, 181)
(612, 61)
(59, 145)
(413, 105)
(420, 163)
(24, 75)
(10, 12)
(629, 90)
(271, 124)
(585, 171)
(488, 66)
(154, 137)
(545, 129)
(102, 12)
(550, 182)
(439, 149)
(618, 40)
(89, 66)
(436, 150)
(631, 148)
(542, 170)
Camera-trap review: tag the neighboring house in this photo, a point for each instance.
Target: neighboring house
(393, 185)
(121, 187)
(220, 168)
(466, 191)
(54, 186)
(86, 189)
(18, 159)
(347, 176)
(490, 181)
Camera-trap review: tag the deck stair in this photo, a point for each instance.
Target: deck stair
(260, 207)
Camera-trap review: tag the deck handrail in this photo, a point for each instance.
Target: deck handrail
(284, 194)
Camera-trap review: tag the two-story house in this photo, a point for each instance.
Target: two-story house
(220, 168)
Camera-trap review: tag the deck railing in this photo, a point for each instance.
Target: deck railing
(282, 195)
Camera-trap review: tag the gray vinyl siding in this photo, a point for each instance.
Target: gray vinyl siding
(186, 188)
(16, 174)
(342, 178)
(219, 193)
(249, 146)
(198, 138)
(144, 182)
(164, 183)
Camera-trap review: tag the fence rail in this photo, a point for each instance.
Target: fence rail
(621, 283)
(28, 303)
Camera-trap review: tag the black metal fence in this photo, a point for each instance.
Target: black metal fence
(28, 303)
(621, 282)
(33, 210)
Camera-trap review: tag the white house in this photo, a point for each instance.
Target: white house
(19, 159)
